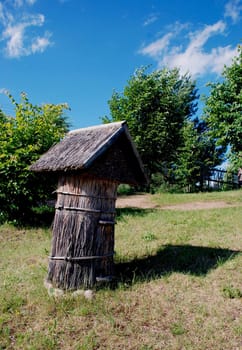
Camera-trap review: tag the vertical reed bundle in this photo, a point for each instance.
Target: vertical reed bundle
(83, 232)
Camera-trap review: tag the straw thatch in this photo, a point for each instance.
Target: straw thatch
(106, 150)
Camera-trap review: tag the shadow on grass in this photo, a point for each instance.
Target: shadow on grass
(43, 216)
(185, 259)
(131, 211)
(38, 217)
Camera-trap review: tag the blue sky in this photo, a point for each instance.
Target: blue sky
(79, 51)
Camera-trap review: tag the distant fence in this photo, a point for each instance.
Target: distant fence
(219, 179)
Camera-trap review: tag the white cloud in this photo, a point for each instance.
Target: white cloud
(5, 16)
(233, 9)
(151, 19)
(31, 2)
(14, 36)
(197, 62)
(193, 57)
(199, 38)
(3, 90)
(20, 3)
(1, 12)
(223, 56)
(19, 40)
(41, 43)
(156, 48)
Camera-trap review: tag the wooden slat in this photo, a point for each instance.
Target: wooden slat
(103, 222)
(78, 209)
(84, 195)
(80, 258)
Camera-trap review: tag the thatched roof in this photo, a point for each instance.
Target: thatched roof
(106, 151)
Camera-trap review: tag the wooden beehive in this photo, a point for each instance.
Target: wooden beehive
(91, 163)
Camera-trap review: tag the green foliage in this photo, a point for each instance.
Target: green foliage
(177, 329)
(149, 236)
(232, 292)
(223, 110)
(12, 305)
(197, 156)
(23, 138)
(125, 190)
(155, 106)
(159, 108)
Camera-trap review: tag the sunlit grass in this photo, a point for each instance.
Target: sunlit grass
(230, 197)
(179, 285)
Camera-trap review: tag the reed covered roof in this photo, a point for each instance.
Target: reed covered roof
(106, 151)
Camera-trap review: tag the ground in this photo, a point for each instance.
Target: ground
(145, 201)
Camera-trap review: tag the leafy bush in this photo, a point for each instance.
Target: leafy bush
(124, 190)
(23, 138)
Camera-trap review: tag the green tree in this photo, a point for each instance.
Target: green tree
(23, 138)
(223, 109)
(197, 156)
(156, 106)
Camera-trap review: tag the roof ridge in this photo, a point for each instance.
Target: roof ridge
(121, 123)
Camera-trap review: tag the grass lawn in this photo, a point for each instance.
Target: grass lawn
(179, 284)
(230, 197)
